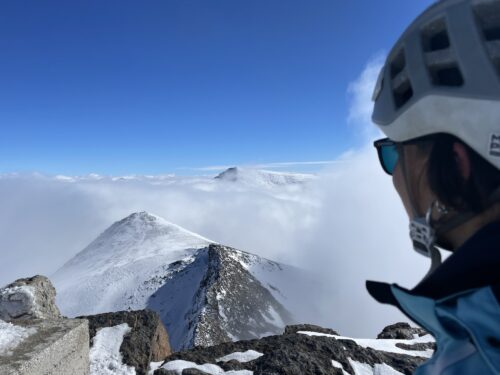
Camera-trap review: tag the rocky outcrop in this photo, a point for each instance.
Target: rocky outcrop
(401, 331)
(246, 309)
(146, 342)
(55, 345)
(309, 327)
(228, 303)
(296, 353)
(28, 299)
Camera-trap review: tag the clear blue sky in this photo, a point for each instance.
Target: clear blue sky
(117, 87)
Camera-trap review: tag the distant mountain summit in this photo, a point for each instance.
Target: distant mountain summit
(263, 177)
(205, 293)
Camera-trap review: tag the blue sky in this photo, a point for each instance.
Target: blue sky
(149, 87)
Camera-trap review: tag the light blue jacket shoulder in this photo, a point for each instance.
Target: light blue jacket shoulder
(458, 304)
(466, 327)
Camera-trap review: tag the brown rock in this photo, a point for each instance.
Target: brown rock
(160, 346)
(401, 331)
(146, 342)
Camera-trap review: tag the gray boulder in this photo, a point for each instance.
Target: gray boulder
(401, 331)
(28, 299)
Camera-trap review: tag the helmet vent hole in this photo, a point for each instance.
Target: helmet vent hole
(402, 94)
(448, 76)
(398, 64)
(492, 34)
(488, 19)
(435, 36)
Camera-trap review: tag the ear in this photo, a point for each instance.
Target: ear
(462, 159)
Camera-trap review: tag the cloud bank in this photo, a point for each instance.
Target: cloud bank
(347, 225)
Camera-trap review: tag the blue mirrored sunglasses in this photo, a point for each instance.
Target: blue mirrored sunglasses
(387, 154)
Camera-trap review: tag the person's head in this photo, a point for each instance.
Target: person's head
(438, 101)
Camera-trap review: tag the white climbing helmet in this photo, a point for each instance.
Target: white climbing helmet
(443, 76)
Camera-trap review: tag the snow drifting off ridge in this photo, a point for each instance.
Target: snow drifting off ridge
(123, 257)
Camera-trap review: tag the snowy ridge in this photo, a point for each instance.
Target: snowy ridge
(100, 277)
(138, 236)
(259, 177)
(205, 293)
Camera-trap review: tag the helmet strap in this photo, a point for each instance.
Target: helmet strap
(422, 234)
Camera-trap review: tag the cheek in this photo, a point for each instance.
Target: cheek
(400, 186)
(397, 179)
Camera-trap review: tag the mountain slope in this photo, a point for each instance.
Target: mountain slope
(262, 178)
(205, 293)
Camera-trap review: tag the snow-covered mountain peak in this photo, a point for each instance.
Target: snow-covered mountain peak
(205, 292)
(140, 235)
(144, 225)
(262, 177)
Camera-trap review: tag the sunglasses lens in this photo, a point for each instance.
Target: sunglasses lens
(389, 157)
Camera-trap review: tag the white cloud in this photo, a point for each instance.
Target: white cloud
(360, 92)
(348, 224)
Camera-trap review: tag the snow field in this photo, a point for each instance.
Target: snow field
(105, 357)
(11, 336)
(378, 369)
(385, 345)
(365, 369)
(178, 366)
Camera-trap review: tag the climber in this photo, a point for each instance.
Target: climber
(437, 100)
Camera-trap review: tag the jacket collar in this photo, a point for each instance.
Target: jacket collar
(475, 264)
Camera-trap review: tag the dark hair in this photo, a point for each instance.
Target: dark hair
(447, 182)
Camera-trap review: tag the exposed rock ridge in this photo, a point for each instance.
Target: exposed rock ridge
(237, 306)
(186, 277)
(293, 353)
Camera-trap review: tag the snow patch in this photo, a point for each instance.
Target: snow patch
(249, 355)
(339, 365)
(11, 336)
(179, 365)
(153, 366)
(384, 345)
(105, 356)
(378, 369)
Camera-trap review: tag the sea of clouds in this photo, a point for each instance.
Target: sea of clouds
(347, 225)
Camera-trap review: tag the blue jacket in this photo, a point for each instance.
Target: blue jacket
(459, 304)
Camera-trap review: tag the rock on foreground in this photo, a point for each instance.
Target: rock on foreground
(146, 342)
(27, 299)
(302, 350)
